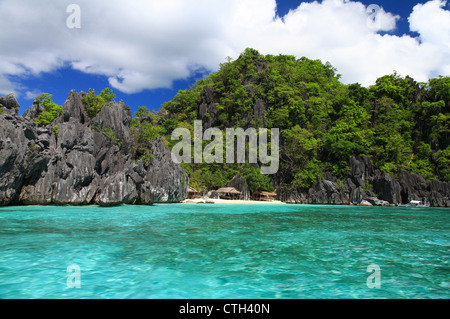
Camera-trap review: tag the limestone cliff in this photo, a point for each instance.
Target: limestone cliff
(365, 183)
(73, 161)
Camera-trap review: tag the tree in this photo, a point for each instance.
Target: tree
(50, 110)
(94, 103)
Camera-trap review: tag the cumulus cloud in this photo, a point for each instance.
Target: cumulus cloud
(144, 44)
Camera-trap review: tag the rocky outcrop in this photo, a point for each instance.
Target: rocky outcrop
(24, 156)
(387, 187)
(207, 110)
(33, 111)
(368, 186)
(73, 161)
(167, 180)
(80, 161)
(258, 111)
(241, 185)
(9, 104)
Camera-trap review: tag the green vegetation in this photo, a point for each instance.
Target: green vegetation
(144, 132)
(34, 147)
(56, 130)
(94, 103)
(400, 123)
(109, 133)
(50, 110)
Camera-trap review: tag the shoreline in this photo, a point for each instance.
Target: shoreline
(232, 202)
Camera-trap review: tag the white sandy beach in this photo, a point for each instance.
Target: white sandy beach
(226, 201)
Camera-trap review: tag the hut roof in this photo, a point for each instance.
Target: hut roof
(268, 194)
(192, 190)
(230, 190)
(264, 193)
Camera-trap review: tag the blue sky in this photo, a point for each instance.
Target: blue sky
(148, 50)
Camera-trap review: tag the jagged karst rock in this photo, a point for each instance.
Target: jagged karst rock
(241, 185)
(118, 189)
(260, 65)
(327, 192)
(207, 110)
(22, 156)
(258, 110)
(377, 202)
(368, 185)
(413, 186)
(9, 104)
(437, 197)
(169, 181)
(386, 187)
(358, 195)
(81, 164)
(73, 109)
(88, 161)
(290, 195)
(116, 117)
(360, 170)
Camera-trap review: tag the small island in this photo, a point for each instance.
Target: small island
(339, 144)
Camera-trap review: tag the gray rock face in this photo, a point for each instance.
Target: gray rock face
(33, 111)
(368, 185)
(360, 170)
(387, 187)
(207, 111)
(73, 109)
(358, 195)
(167, 180)
(9, 104)
(290, 195)
(258, 110)
(377, 202)
(81, 165)
(241, 185)
(23, 156)
(327, 192)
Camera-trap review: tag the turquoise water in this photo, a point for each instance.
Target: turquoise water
(224, 251)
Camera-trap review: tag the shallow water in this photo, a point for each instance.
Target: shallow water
(224, 251)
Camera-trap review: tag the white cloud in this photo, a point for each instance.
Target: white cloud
(144, 44)
(432, 22)
(31, 95)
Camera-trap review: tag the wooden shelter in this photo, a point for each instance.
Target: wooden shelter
(229, 193)
(193, 193)
(264, 196)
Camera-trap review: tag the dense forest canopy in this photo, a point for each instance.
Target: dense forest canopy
(398, 122)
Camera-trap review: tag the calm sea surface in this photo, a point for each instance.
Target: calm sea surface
(224, 251)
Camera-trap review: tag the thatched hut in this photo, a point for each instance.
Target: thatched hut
(264, 196)
(193, 193)
(229, 193)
